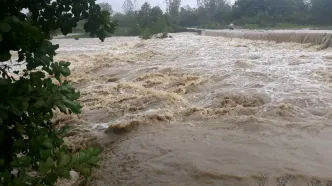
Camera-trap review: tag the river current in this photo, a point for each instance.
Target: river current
(199, 110)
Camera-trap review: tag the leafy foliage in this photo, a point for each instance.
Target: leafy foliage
(147, 21)
(128, 6)
(173, 7)
(31, 149)
(106, 7)
(271, 12)
(146, 34)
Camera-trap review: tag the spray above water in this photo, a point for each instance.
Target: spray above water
(198, 110)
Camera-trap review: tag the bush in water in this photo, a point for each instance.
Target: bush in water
(31, 149)
(146, 34)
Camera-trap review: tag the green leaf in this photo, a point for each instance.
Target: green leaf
(80, 157)
(85, 171)
(75, 95)
(93, 160)
(55, 47)
(75, 107)
(14, 109)
(46, 59)
(61, 106)
(58, 141)
(4, 114)
(15, 163)
(64, 63)
(5, 176)
(65, 71)
(60, 154)
(2, 136)
(20, 128)
(94, 151)
(5, 27)
(0, 37)
(25, 106)
(63, 172)
(17, 181)
(40, 103)
(3, 81)
(65, 160)
(49, 162)
(45, 154)
(19, 143)
(44, 168)
(25, 160)
(51, 178)
(2, 162)
(48, 143)
(63, 130)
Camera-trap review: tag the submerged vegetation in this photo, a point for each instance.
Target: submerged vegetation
(32, 151)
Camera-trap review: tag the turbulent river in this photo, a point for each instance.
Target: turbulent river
(198, 110)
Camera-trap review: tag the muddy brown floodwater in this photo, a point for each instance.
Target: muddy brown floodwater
(198, 110)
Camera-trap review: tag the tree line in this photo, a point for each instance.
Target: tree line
(217, 14)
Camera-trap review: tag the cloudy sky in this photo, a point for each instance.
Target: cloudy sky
(117, 4)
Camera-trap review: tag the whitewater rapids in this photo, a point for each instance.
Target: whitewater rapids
(318, 37)
(197, 110)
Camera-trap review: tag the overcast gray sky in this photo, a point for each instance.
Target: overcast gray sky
(117, 4)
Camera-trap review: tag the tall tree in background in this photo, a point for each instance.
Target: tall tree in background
(223, 11)
(203, 3)
(144, 15)
(172, 8)
(128, 6)
(248, 8)
(188, 17)
(106, 7)
(322, 11)
(283, 11)
(214, 10)
(157, 20)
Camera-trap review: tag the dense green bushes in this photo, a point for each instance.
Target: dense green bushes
(31, 149)
(213, 25)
